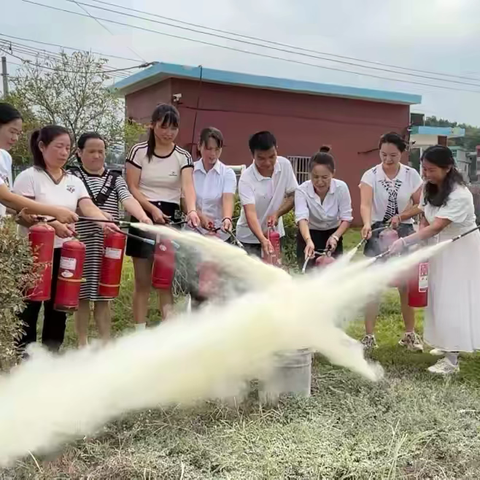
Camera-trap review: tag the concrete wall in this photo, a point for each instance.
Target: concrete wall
(301, 122)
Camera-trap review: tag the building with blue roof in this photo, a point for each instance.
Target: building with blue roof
(303, 115)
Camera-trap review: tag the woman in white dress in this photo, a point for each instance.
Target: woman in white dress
(452, 319)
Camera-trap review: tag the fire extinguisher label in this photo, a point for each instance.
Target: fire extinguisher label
(113, 253)
(68, 263)
(423, 277)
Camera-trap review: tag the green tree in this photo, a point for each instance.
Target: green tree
(70, 90)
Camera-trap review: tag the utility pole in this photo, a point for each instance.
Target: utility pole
(5, 77)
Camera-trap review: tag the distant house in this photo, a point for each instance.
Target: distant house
(463, 160)
(302, 115)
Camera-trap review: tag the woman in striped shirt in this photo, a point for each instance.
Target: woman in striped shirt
(158, 172)
(107, 189)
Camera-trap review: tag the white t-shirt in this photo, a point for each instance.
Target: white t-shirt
(5, 175)
(336, 206)
(391, 196)
(38, 185)
(160, 177)
(210, 187)
(266, 193)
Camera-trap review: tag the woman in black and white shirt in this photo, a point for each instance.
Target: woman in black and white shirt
(47, 182)
(158, 171)
(389, 192)
(107, 189)
(323, 209)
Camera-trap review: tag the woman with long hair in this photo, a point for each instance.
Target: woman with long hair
(158, 172)
(108, 190)
(452, 317)
(49, 183)
(323, 209)
(389, 192)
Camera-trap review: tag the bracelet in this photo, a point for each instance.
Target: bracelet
(335, 238)
(227, 218)
(191, 211)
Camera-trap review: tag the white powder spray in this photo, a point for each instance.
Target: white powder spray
(49, 400)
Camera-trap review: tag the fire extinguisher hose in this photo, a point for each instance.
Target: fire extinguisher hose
(458, 237)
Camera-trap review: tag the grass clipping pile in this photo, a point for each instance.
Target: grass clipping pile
(16, 266)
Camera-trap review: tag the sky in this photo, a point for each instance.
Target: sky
(441, 36)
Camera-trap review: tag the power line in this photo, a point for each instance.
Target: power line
(41, 53)
(278, 49)
(106, 28)
(47, 57)
(263, 55)
(249, 37)
(68, 48)
(56, 69)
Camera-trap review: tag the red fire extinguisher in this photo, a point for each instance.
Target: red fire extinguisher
(69, 280)
(387, 238)
(42, 241)
(324, 260)
(208, 278)
(274, 258)
(163, 265)
(112, 261)
(418, 286)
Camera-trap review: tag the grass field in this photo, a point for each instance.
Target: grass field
(410, 425)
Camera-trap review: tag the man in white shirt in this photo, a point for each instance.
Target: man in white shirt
(266, 189)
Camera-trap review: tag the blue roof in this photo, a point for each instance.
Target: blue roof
(161, 71)
(438, 131)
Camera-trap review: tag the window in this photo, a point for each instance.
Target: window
(300, 168)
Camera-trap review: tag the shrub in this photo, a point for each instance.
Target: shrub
(16, 275)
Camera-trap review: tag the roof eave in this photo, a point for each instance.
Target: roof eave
(162, 71)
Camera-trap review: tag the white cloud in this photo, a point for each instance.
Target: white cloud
(436, 35)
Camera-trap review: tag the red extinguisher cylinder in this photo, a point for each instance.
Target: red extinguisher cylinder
(163, 265)
(112, 262)
(324, 260)
(70, 273)
(418, 287)
(274, 258)
(208, 278)
(42, 242)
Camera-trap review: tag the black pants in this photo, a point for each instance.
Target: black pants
(319, 239)
(53, 323)
(253, 249)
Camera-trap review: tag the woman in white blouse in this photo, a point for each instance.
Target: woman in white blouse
(215, 185)
(452, 317)
(323, 209)
(389, 193)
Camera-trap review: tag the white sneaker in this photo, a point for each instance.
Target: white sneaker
(437, 352)
(444, 367)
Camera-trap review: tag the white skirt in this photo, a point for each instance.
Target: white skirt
(452, 318)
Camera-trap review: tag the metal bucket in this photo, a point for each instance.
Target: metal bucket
(292, 374)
